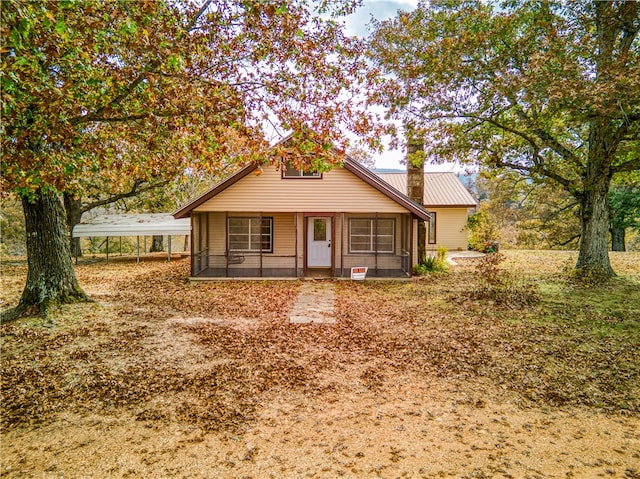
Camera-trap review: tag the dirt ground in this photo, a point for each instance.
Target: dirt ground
(166, 378)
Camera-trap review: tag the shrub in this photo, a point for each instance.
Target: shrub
(503, 287)
(483, 231)
(433, 264)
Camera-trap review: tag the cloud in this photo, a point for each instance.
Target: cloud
(358, 22)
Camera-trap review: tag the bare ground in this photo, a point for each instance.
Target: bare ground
(166, 378)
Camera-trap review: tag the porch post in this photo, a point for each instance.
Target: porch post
(375, 242)
(296, 253)
(342, 244)
(260, 229)
(192, 219)
(410, 245)
(226, 239)
(107, 249)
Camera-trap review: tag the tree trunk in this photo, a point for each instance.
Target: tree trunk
(51, 278)
(73, 209)
(593, 255)
(617, 239)
(157, 244)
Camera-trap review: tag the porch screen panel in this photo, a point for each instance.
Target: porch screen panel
(365, 236)
(361, 235)
(386, 235)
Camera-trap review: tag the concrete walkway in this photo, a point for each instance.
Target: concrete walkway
(315, 303)
(452, 255)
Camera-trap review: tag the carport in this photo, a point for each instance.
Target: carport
(148, 224)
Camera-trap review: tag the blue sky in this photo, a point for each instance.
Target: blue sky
(380, 9)
(358, 24)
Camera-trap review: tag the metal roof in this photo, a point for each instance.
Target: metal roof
(440, 189)
(132, 225)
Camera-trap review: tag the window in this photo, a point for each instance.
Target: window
(248, 234)
(366, 235)
(320, 229)
(290, 171)
(431, 236)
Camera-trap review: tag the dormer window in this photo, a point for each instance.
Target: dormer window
(289, 170)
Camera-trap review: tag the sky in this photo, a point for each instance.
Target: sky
(358, 24)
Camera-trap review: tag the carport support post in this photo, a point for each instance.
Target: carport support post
(138, 250)
(169, 248)
(107, 249)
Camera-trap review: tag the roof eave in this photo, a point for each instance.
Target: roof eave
(385, 188)
(186, 210)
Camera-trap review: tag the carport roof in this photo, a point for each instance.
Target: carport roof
(148, 224)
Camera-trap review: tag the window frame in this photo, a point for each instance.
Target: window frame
(432, 233)
(259, 249)
(303, 175)
(373, 236)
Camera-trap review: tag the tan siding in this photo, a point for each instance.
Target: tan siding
(451, 228)
(338, 190)
(217, 232)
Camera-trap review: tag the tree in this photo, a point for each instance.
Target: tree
(528, 213)
(624, 199)
(547, 89)
(149, 90)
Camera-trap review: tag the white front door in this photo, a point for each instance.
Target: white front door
(319, 242)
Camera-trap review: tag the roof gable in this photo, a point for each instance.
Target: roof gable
(397, 198)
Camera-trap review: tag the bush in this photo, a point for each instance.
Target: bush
(433, 264)
(483, 231)
(503, 287)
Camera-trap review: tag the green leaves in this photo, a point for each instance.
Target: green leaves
(529, 87)
(137, 89)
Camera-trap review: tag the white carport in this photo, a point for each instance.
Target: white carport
(149, 224)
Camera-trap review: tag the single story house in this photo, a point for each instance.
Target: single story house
(278, 221)
(448, 202)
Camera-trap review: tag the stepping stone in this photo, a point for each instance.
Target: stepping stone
(314, 304)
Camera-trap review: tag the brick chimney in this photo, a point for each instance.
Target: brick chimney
(415, 174)
(415, 186)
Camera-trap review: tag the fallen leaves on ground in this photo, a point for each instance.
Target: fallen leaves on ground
(210, 354)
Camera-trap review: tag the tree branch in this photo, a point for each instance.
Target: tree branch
(547, 138)
(628, 15)
(620, 133)
(135, 190)
(98, 115)
(630, 165)
(565, 243)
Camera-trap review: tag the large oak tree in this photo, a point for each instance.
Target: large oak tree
(148, 90)
(549, 89)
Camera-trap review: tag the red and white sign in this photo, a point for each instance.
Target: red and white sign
(359, 273)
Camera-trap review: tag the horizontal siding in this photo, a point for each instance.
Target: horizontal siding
(337, 191)
(451, 228)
